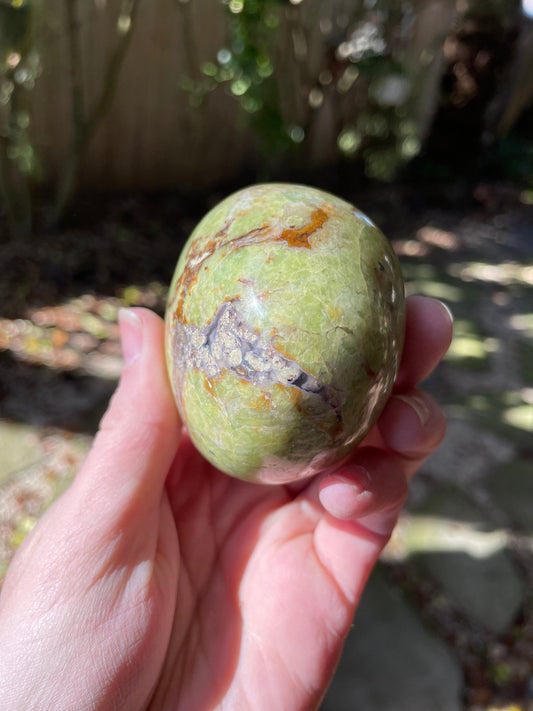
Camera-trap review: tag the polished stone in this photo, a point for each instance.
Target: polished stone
(283, 331)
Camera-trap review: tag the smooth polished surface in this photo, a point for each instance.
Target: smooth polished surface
(284, 330)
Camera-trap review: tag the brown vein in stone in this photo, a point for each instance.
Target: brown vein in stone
(297, 237)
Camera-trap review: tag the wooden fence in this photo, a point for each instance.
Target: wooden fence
(152, 138)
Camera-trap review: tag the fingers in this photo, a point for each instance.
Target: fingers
(373, 482)
(428, 333)
(139, 433)
(371, 487)
(362, 500)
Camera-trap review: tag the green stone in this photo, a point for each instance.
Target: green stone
(284, 330)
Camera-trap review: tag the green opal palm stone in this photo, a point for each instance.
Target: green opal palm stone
(284, 330)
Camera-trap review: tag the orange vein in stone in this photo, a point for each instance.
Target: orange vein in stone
(293, 236)
(299, 236)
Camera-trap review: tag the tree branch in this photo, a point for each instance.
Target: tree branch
(129, 9)
(85, 125)
(75, 61)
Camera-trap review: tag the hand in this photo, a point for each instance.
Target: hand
(157, 582)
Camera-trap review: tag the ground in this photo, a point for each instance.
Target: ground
(447, 621)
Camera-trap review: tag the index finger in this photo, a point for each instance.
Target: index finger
(428, 334)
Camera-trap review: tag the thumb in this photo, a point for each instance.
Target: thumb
(139, 434)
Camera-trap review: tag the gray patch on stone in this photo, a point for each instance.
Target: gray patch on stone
(228, 342)
(392, 661)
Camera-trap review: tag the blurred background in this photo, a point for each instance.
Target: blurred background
(123, 121)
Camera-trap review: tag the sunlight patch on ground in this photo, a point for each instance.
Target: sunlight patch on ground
(81, 333)
(527, 7)
(522, 322)
(520, 416)
(505, 273)
(526, 196)
(423, 534)
(436, 289)
(439, 238)
(427, 239)
(471, 350)
(425, 279)
(410, 248)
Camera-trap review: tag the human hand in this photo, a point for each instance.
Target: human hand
(157, 582)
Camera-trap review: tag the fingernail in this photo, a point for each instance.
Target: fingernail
(344, 497)
(359, 478)
(447, 309)
(130, 335)
(418, 405)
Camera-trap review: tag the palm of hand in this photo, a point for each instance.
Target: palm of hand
(262, 606)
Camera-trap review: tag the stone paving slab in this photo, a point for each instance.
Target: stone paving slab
(466, 556)
(392, 661)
